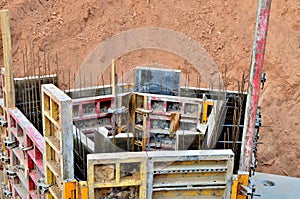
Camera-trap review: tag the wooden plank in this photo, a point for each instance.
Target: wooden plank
(174, 124)
(6, 40)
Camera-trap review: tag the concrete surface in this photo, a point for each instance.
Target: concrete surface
(276, 187)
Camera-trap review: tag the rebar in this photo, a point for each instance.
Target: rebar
(56, 60)
(28, 83)
(25, 90)
(103, 84)
(69, 81)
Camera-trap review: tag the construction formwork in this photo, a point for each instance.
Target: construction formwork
(110, 172)
(58, 133)
(161, 174)
(190, 174)
(157, 81)
(79, 93)
(37, 166)
(153, 118)
(8, 102)
(28, 96)
(91, 112)
(21, 152)
(25, 147)
(94, 112)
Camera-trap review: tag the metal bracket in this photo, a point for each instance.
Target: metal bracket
(117, 110)
(250, 189)
(11, 174)
(258, 120)
(7, 193)
(3, 123)
(147, 111)
(19, 167)
(263, 80)
(4, 158)
(10, 144)
(42, 187)
(24, 149)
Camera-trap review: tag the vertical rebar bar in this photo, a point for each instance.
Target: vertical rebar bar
(48, 60)
(25, 79)
(69, 81)
(45, 63)
(110, 83)
(188, 80)
(122, 83)
(39, 84)
(103, 84)
(32, 84)
(74, 77)
(84, 81)
(56, 60)
(28, 83)
(79, 83)
(91, 75)
(35, 91)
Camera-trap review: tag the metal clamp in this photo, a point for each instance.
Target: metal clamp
(7, 193)
(42, 187)
(11, 174)
(24, 149)
(258, 120)
(10, 144)
(19, 167)
(3, 123)
(263, 80)
(117, 110)
(4, 158)
(247, 191)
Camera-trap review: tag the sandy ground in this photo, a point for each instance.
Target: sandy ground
(224, 28)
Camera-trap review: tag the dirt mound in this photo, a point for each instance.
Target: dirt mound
(224, 28)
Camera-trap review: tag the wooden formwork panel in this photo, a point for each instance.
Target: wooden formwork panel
(58, 131)
(117, 174)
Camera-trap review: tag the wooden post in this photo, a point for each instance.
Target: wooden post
(7, 57)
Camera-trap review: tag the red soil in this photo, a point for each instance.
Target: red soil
(224, 28)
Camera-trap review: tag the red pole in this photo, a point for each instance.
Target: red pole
(258, 52)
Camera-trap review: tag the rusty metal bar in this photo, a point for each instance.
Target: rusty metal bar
(28, 84)
(56, 60)
(258, 52)
(25, 90)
